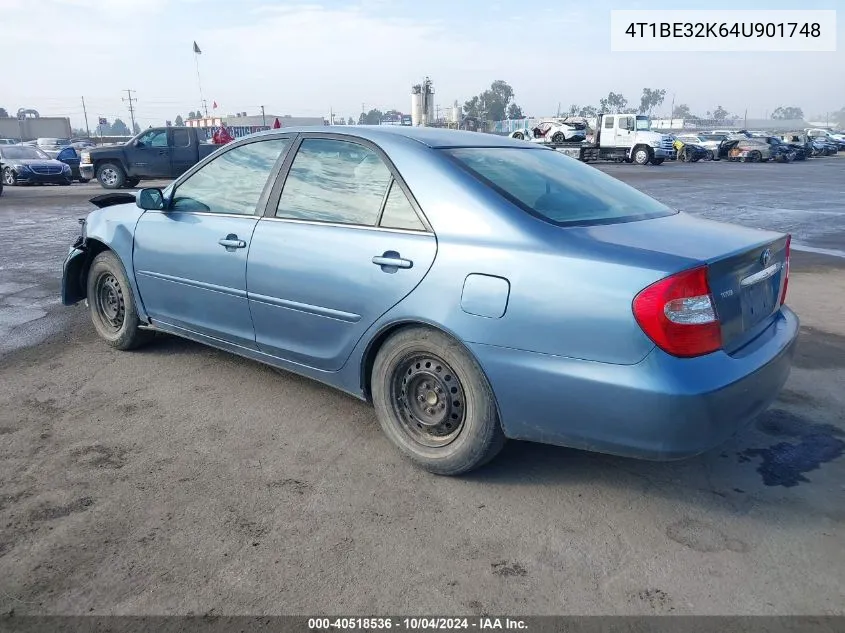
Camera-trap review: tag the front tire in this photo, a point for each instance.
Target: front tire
(112, 304)
(434, 403)
(558, 137)
(8, 177)
(642, 155)
(111, 175)
(519, 136)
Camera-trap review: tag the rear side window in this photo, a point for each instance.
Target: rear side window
(398, 212)
(557, 188)
(608, 122)
(181, 138)
(334, 181)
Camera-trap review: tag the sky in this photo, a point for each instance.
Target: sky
(304, 59)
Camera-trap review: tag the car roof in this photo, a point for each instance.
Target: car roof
(429, 136)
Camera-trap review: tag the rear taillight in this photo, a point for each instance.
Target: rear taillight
(677, 313)
(785, 271)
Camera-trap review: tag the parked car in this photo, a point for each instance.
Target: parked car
(825, 147)
(70, 158)
(163, 152)
(690, 152)
(710, 142)
(552, 131)
(52, 146)
(23, 165)
(9, 141)
(82, 143)
(456, 281)
(758, 149)
(800, 142)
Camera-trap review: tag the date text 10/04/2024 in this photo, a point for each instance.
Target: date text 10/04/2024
(416, 624)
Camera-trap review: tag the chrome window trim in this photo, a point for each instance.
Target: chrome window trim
(365, 227)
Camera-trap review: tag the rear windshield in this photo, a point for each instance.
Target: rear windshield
(557, 188)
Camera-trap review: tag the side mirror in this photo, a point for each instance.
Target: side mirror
(150, 199)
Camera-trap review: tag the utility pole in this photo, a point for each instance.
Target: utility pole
(85, 112)
(130, 100)
(263, 120)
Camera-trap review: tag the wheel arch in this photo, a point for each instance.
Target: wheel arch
(368, 358)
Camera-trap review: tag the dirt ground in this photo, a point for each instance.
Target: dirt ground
(179, 479)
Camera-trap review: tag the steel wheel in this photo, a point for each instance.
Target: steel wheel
(109, 176)
(428, 399)
(641, 156)
(110, 303)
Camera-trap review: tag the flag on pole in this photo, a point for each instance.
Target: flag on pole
(197, 49)
(214, 105)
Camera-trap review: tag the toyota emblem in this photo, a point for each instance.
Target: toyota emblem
(765, 257)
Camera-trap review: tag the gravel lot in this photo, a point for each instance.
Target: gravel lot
(181, 479)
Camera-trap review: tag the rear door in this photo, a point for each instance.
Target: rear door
(341, 243)
(150, 158)
(183, 151)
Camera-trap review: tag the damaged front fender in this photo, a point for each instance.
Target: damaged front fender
(73, 270)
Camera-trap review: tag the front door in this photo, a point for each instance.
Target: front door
(342, 246)
(190, 259)
(150, 158)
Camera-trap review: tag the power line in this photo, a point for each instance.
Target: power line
(130, 99)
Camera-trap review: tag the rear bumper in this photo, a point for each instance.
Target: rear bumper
(662, 408)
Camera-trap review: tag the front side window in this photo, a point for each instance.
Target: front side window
(556, 188)
(231, 183)
(153, 138)
(334, 181)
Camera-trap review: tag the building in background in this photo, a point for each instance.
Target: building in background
(242, 124)
(30, 125)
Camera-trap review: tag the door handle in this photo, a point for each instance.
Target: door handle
(231, 242)
(162, 152)
(391, 259)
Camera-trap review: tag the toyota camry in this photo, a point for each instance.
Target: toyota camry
(472, 287)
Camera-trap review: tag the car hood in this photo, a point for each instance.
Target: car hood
(33, 162)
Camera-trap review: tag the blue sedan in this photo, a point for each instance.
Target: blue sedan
(472, 287)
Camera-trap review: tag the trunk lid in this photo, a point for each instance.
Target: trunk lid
(746, 267)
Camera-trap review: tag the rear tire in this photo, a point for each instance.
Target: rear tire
(657, 161)
(519, 135)
(111, 175)
(112, 304)
(558, 137)
(434, 403)
(131, 183)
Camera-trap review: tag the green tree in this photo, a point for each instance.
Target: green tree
(515, 112)
(720, 114)
(682, 111)
(650, 99)
(492, 104)
(350, 121)
(789, 112)
(179, 120)
(373, 117)
(3, 113)
(119, 128)
(838, 117)
(612, 103)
